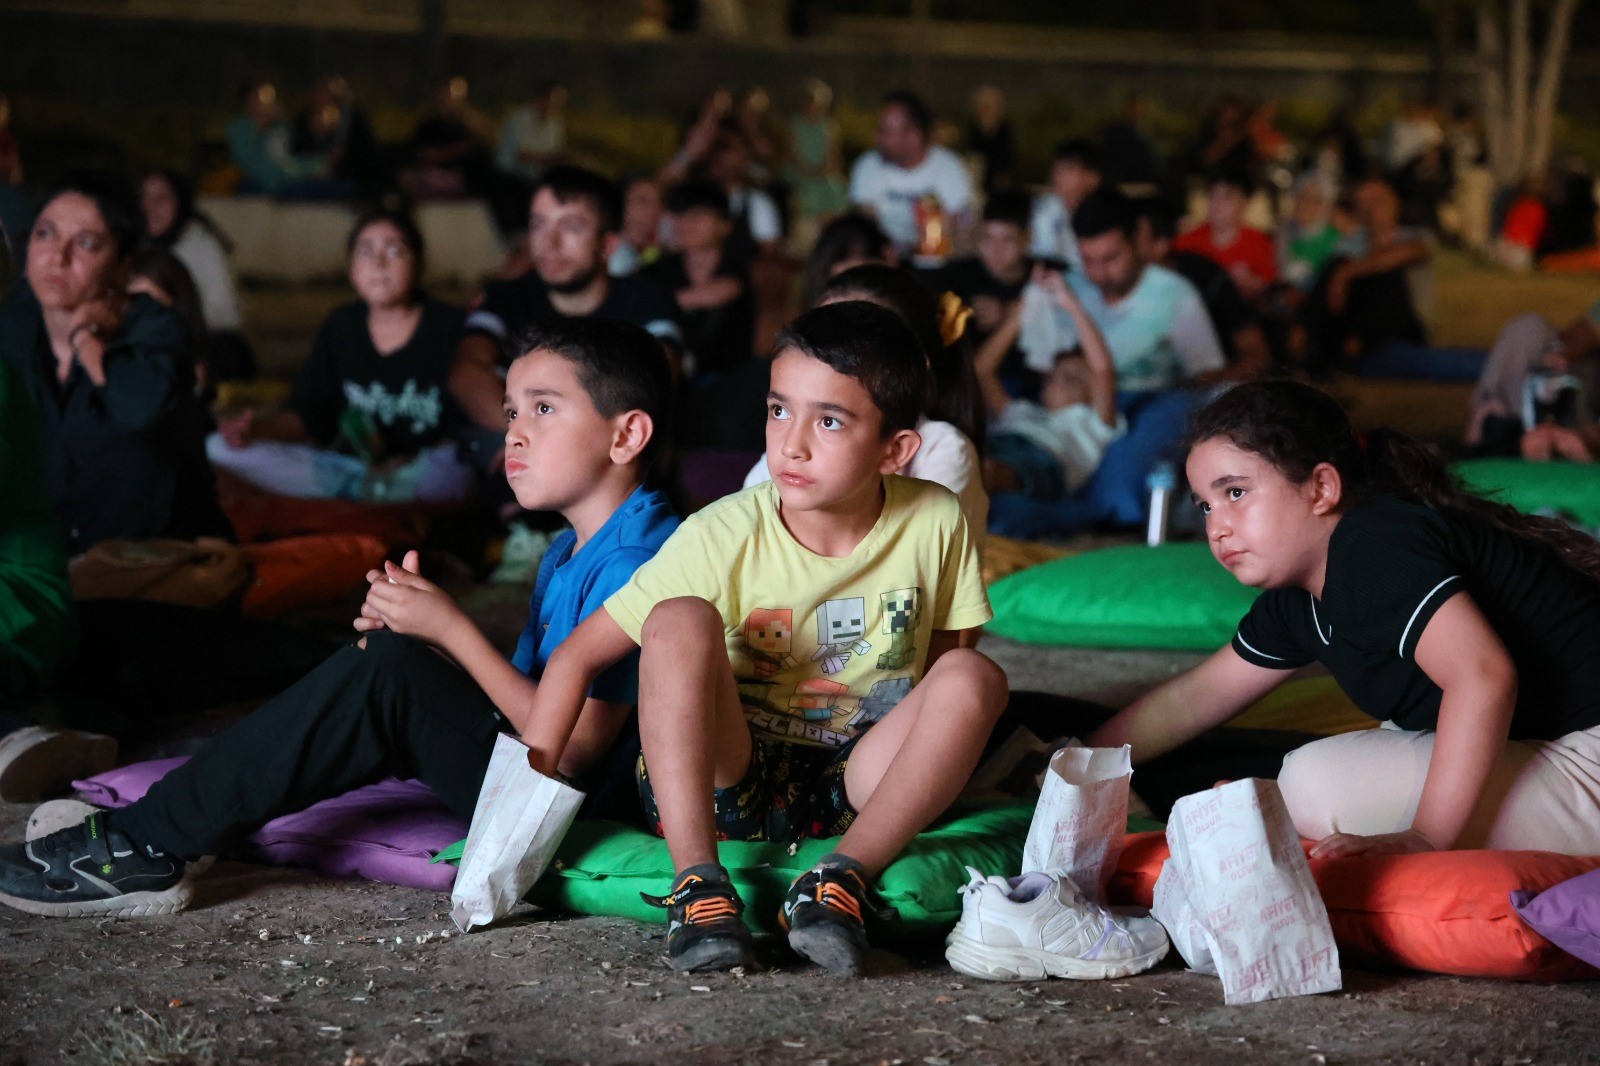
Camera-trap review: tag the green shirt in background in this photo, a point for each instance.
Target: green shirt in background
(37, 627)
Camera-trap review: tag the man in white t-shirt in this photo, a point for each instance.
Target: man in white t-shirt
(1153, 319)
(907, 166)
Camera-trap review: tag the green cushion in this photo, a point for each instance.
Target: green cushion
(1173, 596)
(1529, 487)
(602, 867)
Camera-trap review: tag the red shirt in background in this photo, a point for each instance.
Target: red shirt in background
(1250, 253)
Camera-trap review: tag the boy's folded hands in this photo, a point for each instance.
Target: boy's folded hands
(399, 598)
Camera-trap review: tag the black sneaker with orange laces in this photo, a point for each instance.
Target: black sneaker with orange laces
(825, 913)
(704, 927)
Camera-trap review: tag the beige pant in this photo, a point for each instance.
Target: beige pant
(1541, 796)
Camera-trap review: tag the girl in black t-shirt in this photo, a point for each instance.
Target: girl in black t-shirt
(1470, 630)
(370, 416)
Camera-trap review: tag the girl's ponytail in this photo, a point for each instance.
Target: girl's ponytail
(1399, 466)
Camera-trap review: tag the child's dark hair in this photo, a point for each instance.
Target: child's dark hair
(1101, 212)
(696, 194)
(953, 393)
(1157, 213)
(872, 344)
(1235, 177)
(1296, 426)
(851, 236)
(410, 236)
(1082, 151)
(116, 201)
(621, 367)
(1009, 205)
(568, 183)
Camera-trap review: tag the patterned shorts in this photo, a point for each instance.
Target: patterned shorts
(790, 792)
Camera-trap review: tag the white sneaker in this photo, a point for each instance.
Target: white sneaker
(1040, 925)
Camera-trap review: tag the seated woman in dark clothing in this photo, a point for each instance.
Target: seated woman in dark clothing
(111, 373)
(370, 418)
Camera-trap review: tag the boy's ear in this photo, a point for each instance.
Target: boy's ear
(1327, 489)
(898, 450)
(609, 243)
(631, 433)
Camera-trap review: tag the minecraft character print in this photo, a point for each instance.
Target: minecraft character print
(902, 611)
(880, 700)
(817, 700)
(841, 627)
(769, 637)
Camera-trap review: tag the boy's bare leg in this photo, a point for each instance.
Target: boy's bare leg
(913, 764)
(691, 725)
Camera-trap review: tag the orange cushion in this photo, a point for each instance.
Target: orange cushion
(306, 571)
(1442, 912)
(257, 515)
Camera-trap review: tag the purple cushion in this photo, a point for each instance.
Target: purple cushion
(383, 832)
(1567, 915)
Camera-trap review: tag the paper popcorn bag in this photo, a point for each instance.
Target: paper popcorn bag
(1082, 815)
(521, 817)
(1237, 897)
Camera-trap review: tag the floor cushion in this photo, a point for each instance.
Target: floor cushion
(1449, 912)
(1530, 487)
(1173, 596)
(306, 571)
(602, 867)
(391, 832)
(388, 831)
(1567, 915)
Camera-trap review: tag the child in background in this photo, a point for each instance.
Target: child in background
(424, 694)
(712, 288)
(1469, 630)
(370, 415)
(799, 671)
(1051, 448)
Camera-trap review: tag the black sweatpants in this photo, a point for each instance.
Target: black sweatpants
(394, 708)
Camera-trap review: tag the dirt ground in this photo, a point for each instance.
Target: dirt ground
(283, 966)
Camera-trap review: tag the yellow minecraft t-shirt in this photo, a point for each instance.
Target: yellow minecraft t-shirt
(821, 647)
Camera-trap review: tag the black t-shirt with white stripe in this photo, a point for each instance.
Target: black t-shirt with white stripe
(1391, 565)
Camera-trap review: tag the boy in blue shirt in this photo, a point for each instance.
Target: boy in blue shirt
(801, 675)
(423, 694)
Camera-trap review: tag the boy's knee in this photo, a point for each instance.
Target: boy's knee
(975, 669)
(679, 616)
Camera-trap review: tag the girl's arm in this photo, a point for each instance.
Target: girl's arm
(1180, 710)
(1460, 651)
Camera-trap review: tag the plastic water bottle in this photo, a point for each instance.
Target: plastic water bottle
(1162, 482)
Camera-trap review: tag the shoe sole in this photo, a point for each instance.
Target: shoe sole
(976, 959)
(715, 953)
(827, 949)
(38, 763)
(133, 905)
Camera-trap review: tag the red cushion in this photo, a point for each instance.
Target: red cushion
(257, 515)
(1442, 912)
(306, 571)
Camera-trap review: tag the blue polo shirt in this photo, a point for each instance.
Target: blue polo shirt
(571, 585)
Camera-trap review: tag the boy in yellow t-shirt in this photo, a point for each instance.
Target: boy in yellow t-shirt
(799, 672)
